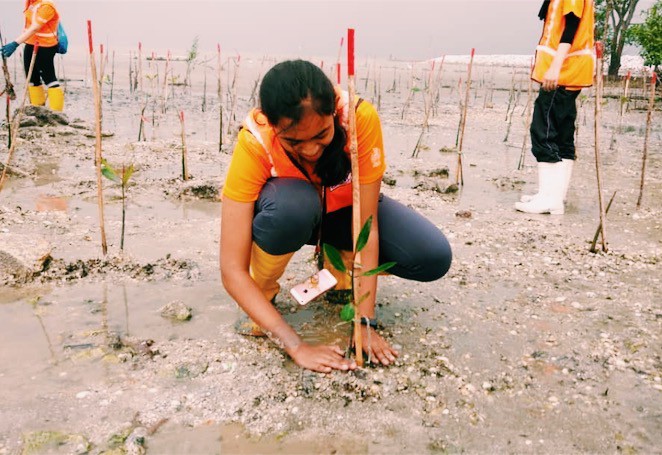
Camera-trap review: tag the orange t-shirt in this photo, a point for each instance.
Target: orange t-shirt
(250, 167)
(44, 13)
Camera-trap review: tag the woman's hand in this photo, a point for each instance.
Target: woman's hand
(322, 358)
(379, 350)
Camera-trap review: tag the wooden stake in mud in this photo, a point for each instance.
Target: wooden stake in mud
(338, 78)
(184, 166)
(649, 118)
(599, 48)
(621, 110)
(356, 193)
(459, 176)
(9, 92)
(17, 118)
(97, 159)
(527, 122)
(139, 63)
(219, 93)
(599, 229)
(112, 76)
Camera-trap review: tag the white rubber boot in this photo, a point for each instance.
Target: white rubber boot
(568, 164)
(551, 182)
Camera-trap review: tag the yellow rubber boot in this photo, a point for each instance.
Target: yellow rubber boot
(266, 269)
(56, 98)
(37, 95)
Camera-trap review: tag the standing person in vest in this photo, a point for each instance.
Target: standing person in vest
(289, 182)
(41, 21)
(564, 65)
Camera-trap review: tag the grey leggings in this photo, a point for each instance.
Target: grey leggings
(287, 216)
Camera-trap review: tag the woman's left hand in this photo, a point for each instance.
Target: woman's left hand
(379, 350)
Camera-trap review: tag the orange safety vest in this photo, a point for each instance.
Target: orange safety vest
(336, 197)
(46, 36)
(579, 65)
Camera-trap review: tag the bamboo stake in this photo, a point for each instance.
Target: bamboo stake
(97, 160)
(112, 77)
(165, 84)
(649, 118)
(139, 64)
(9, 92)
(204, 92)
(527, 122)
(338, 78)
(459, 176)
(356, 194)
(621, 109)
(17, 118)
(130, 72)
(599, 229)
(233, 88)
(184, 166)
(219, 93)
(599, 48)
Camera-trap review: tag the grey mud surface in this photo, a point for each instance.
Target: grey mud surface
(530, 344)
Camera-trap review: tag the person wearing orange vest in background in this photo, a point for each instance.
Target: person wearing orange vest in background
(289, 182)
(565, 63)
(41, 21)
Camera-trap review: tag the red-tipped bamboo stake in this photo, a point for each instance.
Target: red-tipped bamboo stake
(184, 166)
(459, 176)
(356, 194)
(97, 160)
(649, 118)
(599, 48)
(17, 117)
(338, 66)
(140, 66)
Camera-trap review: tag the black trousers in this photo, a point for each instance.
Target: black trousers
(287, 216)
(44, 66)
(553, 125)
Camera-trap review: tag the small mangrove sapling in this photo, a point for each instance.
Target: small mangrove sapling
(122, 178)
(348, 312)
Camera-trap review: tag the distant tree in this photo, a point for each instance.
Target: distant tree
(620, 14)
(649, 37)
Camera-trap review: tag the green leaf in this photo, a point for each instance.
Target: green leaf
(364, 234)
(126, 175)
(108, 172)
(385, 266)
(347, 312)
(334, 256)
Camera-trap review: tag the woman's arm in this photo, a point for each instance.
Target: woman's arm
(28, 33)
(236, 243)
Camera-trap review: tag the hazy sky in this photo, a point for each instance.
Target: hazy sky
(413, 29)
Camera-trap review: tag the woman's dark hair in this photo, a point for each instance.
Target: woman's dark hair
(284, 87)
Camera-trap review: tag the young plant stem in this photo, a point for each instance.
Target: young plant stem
(356, 196)
(139, 63)
(233, 95)
(459, 176)
(17, 118)
(97, 160)
(204, 92)
(597, 118)
(649, 118)
(164, 99)
(621, 110)
(184, 166)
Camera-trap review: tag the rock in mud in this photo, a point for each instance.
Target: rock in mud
(22, 257)
(42, 116)
(177, 311)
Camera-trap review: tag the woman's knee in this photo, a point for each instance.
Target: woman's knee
(287, 212)
(436, 261)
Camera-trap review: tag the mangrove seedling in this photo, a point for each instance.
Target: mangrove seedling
(122, 178)
(350, 309)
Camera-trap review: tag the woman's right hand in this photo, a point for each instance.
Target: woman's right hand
(321, 358)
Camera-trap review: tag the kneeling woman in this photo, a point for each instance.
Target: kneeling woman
(289, 182)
